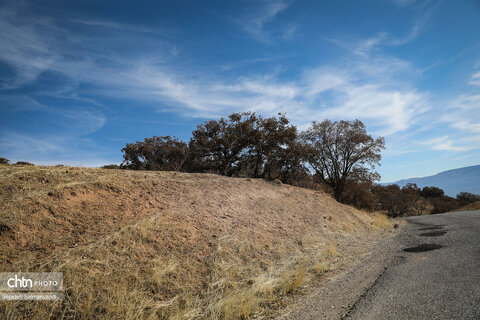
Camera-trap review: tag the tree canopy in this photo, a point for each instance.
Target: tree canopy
(339, 150)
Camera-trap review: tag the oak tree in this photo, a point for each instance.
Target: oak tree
(339, 149)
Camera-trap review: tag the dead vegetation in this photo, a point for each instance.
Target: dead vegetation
(470, 206)
(166, 245)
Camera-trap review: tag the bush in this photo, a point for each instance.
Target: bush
(359, 195)
(23, 163)
(396, 201)
(156, 153)
(111, 166)
(444, 204)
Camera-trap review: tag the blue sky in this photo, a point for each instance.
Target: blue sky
(79, 79)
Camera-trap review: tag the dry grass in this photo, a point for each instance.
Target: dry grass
(381, 220)
(158, 245)
(470, 206)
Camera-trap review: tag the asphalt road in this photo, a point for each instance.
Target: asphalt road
(439, 284)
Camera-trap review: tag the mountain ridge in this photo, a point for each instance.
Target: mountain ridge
(453, 181)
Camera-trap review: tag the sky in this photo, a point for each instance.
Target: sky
(80, 79)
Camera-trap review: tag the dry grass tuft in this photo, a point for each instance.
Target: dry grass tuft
(381, 220)
(332, 249)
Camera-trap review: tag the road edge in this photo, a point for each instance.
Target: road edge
(337, 297)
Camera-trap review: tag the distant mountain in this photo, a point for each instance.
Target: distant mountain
(452, 182)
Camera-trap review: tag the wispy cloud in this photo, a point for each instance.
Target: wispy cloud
(462, 113)
(290, 31)
(368, 87)
(76, 120)
(24, 48)
(444, 144)
(419, 24)
(106, 24)
(335, 92)
(255, 21)
(475, 79)
(423, 15)
(365, 84)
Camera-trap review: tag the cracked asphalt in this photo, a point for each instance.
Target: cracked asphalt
(391, 283)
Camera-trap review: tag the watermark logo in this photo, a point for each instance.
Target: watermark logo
(31, 286)
(15, 282)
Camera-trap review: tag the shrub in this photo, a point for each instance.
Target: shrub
(359, 195)
(23, 163)
(156, 153)
(111, 166)
(465, 198)
(444, 204)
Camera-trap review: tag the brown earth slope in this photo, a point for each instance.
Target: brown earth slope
(160, 245)
(470, 206)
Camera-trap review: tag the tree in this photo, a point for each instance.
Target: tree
(400, 201)
(275, 152)
(221, 146)
(464, 198)
(286, 163)
(336, 150)
(4, 161)
(156, 153)
(417, 203)
(358, 191)
(432, 192)
(393, 199)
(444, 204)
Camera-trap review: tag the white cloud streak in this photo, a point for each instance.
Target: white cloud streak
(443, 144)
(424, 13)
(22, 47)
(367, 88)
(256, 20)
(475, 79)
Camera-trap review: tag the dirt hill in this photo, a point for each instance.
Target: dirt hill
(152, 245)
(471, 206)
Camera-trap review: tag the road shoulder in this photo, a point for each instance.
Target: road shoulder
(336, 297)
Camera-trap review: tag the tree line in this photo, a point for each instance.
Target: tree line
(412, 200)
(333, 154)
(338, 157)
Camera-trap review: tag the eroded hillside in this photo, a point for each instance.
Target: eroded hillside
(148, 245)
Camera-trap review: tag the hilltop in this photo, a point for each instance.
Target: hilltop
(144, 244)
(452, 182)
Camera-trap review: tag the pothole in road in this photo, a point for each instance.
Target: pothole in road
(433, 233)
(423, 247)
(433, 227)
